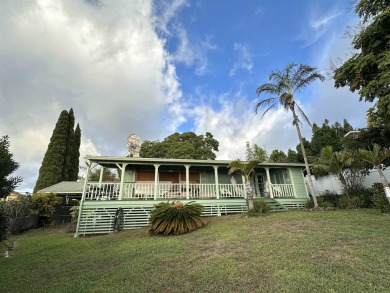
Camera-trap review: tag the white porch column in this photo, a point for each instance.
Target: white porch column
(187, 181)
(156, 166)
(101, 176)
(269, 184)
(243, 181)
(123, 169)
(216, 181)
(76, 234)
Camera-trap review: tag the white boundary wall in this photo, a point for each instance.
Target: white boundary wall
(331, 183)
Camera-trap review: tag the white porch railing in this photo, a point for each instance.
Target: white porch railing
(110, 191)
(282, 190)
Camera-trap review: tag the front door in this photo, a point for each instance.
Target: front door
(260, 184)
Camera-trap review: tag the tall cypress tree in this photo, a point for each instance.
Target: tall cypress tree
(74, 162)
(53, 162)
(61, 159)
(69, 147)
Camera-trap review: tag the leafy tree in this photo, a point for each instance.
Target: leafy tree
(277, 156)
(345, 165)
(255, 152)
(375, 157)
(61, 154)
(307, 147)
(292, 156)
(246, 170)
(7, 167)
(328, 135)
(367, 71)
(187, 145)
(285, 84)
(107, 175)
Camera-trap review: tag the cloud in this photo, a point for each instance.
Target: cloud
(236, 122)
(165, 11)
(106, 61)
(318, 25)
(244, 59)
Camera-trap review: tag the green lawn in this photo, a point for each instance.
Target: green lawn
(332, 251)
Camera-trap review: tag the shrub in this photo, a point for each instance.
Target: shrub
(379, 198)
(4, 223)
(19, 207)
(365, 196)
(43, 205)
(175, 218)
(350, 202)
(74, 212)
(260, 207)
(326, 200)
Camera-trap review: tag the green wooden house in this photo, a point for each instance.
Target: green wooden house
(144, 182)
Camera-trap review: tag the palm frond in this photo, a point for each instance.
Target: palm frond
(375, 156)
(243, 168)
(301, 113)
(264, 104)
(269, 88)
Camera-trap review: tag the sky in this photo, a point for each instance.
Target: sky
(153, 68)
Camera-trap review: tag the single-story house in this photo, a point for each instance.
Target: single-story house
(144, 182)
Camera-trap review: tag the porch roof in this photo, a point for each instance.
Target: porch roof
(108, 160)
(65, 187)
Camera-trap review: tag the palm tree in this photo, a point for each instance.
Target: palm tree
(376, 156)
(246, 170)
(344, 164)
(285, 84)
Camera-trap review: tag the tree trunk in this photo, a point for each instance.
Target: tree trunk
(385, 183)
(311, 187)
(249, 194)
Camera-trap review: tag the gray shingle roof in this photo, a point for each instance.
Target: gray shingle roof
(65, 187)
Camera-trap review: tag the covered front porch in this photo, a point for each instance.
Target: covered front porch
(185, 179)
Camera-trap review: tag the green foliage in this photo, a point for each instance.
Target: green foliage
(75, 155)
(367, 69)
(255, 153)
(277, 156)
(329, 135)
(74, 212)
(245, 169)
(59, 161)
(18, 208)
(350, 171)
(69, 146)
(350, 202)
(7, 167)
(375, 156)
(260, 207)
(187, 145)
(322, 202)
(379, 198)
(108, 176)
(361, 198)
(175, 218)
(43, 204)
(4, 223)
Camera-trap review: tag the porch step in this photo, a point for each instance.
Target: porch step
(274, 204)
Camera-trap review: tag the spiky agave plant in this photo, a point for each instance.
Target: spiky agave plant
(175, 218)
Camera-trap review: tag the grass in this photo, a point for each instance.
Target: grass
(333, 251)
